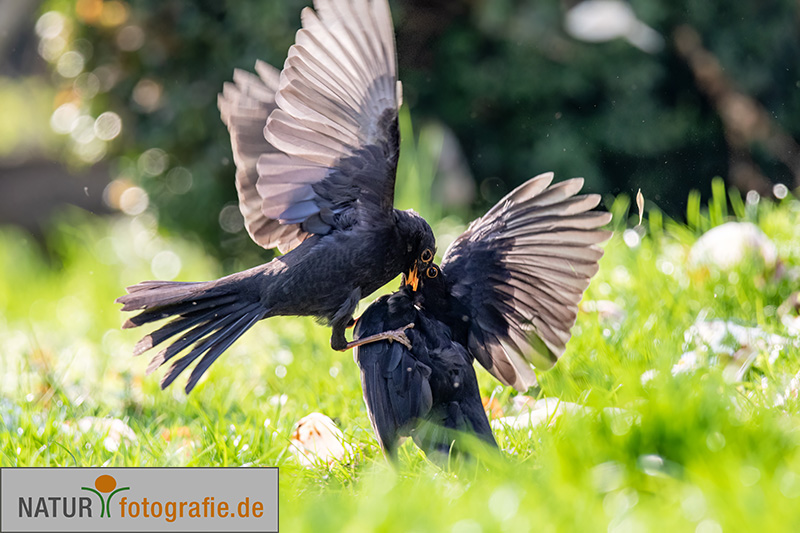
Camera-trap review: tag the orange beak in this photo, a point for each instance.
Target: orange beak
(412, 278)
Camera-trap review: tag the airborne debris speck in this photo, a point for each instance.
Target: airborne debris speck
(640, 205)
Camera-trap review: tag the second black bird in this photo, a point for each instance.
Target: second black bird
(428, 392)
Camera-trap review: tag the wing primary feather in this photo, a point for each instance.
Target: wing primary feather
(521, 270)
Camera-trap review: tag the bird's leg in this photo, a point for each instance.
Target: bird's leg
(398, 335)
(342, 318)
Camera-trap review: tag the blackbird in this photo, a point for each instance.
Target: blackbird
(506, 294)
(316, 148)
(428, 392)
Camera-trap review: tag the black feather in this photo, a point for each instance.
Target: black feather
(221, 330)
(225, 340)
(184, 323)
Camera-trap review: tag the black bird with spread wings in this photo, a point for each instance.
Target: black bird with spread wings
(316, 148)
(506, 294)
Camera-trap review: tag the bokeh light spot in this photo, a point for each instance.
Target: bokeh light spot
(114, 190)
(230, 219)
(91, 152)
(89, 11)
(107, 126)
(130, 38)
(708, 526)
(166, 265)
(467, 526)
(790, 484)
(147, 94)
(114, 13)
(50, 25)
(631, 238)
(83, 129)
(153, 162)
(504, 503)
(51, 49)
(108, 75)
(70, 64)
(780, 191)
(133, 201)
(63, 118)
(179, 180)
(87, 85)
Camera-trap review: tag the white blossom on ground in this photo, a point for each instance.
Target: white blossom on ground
(115, 430)
(727, 245)
(740, 344)
(648, 376)
(688, 362)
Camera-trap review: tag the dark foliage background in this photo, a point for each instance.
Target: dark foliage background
(721, 98)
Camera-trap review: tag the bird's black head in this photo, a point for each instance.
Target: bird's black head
(421, 246)
(433, 289)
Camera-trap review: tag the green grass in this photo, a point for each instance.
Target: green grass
(691, 452)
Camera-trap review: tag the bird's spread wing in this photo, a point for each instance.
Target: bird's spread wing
(521, 270)
(244, 106)
(312, 141)
(335, 129)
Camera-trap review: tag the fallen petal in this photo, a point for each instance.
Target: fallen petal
(546, 410)
(315, 439)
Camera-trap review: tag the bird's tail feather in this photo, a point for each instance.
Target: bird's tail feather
(209, 317)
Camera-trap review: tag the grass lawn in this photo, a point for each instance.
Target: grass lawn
(662, 446)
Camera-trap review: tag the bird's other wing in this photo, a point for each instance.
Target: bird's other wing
(335, 128)
(521, 270)
(244, 106)
(396, 384)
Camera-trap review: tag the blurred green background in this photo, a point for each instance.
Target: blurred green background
(651, 94)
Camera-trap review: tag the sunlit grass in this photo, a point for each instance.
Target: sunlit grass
(691, 452)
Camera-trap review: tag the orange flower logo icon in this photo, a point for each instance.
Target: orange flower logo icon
(105, 484)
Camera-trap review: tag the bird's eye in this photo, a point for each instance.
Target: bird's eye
(432, 272)
(427, 255)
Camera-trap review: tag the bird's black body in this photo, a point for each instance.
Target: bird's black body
(324, 277)
(323, 273)
(430, 392)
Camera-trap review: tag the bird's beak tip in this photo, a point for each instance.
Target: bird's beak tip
(412, 278)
